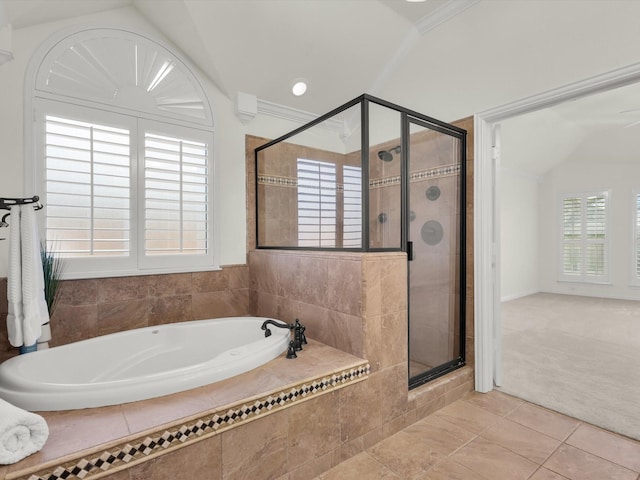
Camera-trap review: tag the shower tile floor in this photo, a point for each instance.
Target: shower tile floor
(495, 436)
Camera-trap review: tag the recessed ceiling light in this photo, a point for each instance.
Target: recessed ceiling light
(299, 87)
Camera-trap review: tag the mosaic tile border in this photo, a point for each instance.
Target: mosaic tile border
(214, 422)
(438, 172)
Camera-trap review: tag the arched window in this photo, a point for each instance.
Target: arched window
(121, 155)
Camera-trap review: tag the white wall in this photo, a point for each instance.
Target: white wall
(519, 257)
(592, 175)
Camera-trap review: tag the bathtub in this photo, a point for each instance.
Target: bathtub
(138, 364)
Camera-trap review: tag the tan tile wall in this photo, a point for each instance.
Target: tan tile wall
(93, 307)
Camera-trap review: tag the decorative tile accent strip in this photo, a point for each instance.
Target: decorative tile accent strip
(287, 182)
(277, 181)
(438, 172)
(444, 171)
(209, 424)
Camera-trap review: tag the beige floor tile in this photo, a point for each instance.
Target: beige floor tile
(358, 468)
(544, 421)
(405, 455)
(522, 440)
(467, 416)
(494, 462)
(450, 470)
(494, 401)
(440, 434)
(612, 447)
(576, 464)
(544, 474)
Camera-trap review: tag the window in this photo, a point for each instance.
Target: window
(121, 158)
(584, 252)
(352, 179)
(316, 203)
(635, 268)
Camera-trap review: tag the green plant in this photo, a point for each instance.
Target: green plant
(52, 267)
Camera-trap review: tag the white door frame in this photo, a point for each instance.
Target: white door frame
(486, 195)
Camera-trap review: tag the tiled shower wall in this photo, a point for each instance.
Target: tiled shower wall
(93, 307)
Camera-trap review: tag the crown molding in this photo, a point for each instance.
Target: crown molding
(298, 116)
(444, 13)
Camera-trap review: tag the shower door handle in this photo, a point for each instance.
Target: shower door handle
(410, 251)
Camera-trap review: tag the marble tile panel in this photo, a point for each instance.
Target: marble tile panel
(373, 345)
(229, 303)
(257, 450)
(450, 470)
(371, 289)
(263, 268)
(393, 402)
(169, 285)
(393, 285)
(405, 455)
(394, 338)
(313, 468)
(528, 443)
(494, 462)
(544, 474)
(200, 460)
(615, 448)
(576, 464)
(545, 421)
(470, 417)
(211, 281)
(360, 408)
(119, 289)
(312, 280)
(360, 467)
(169, 309)
(344, 287)
(76, 430)
(157, 411)
(440, 435)
(314, 430)
(71, 323)
(345, 332)
(263, 304)
(120, 316)
(78, 292)
(237, 276)
(121, 475)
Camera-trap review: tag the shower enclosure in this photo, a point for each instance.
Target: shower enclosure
(373, 176)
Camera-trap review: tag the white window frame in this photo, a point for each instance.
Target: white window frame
(326, 237)
(41, 101)
(634, 277)
(583, 276)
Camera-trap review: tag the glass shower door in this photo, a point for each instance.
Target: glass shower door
(434, 232)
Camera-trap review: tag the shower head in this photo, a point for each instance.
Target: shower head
(387, 155)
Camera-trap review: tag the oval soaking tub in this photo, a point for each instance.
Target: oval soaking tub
(138, 364)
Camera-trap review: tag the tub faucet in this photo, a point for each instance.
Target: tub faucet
(299, 338)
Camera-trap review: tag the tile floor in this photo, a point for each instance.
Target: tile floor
(495, 436)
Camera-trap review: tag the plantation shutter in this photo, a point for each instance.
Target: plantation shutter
(316, 203)
(572, 236)
(176, 215)
(88, 188)
(584, 237)
(352, 178)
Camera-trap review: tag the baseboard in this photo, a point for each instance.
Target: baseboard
(518, 295)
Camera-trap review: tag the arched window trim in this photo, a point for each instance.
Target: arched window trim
(33, 94)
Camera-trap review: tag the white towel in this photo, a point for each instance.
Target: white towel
(15, 316)
(21, 433)
(25, 290)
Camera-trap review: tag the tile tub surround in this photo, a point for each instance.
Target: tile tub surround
(93, 307)
(290, 408)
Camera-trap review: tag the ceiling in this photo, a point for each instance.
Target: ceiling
(344, 48)
(603, 127)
